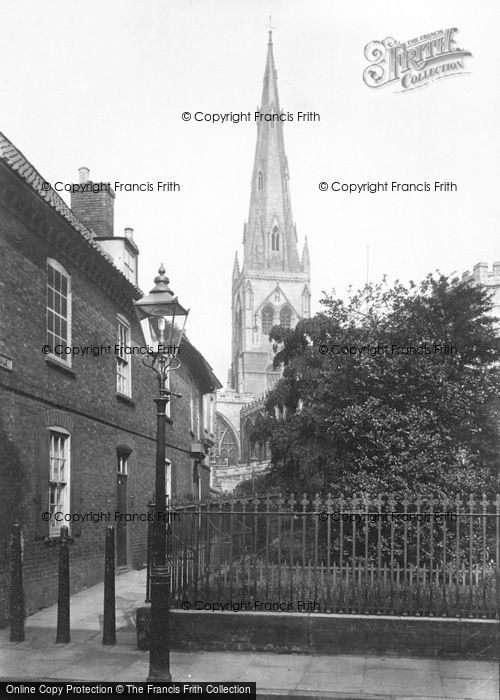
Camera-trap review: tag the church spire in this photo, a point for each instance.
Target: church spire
(270, 97)
(272, 285)
(270, 239)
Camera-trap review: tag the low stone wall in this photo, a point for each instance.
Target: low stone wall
(327, 634)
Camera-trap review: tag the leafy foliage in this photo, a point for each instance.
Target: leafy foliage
(387, 420)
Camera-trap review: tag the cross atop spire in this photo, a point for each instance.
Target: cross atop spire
(270, 29)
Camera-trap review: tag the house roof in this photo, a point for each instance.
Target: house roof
(199, 366)
(12, 157)
(20, 165)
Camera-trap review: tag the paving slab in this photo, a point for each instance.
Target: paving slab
(394, 662)
(462, 689)
(327, 682)
(294, 676)
(466, 669)
(390, 682)
(334, 673)
(337, 664)
(283, 677)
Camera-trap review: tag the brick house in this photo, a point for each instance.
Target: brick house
(77, 432)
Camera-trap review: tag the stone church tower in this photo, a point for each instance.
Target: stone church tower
(271, 288)
(273, 285)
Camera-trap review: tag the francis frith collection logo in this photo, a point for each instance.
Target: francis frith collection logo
(414, 63)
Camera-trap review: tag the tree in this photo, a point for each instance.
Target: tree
(405, 397)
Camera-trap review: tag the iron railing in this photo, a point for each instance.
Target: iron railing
(383, 556)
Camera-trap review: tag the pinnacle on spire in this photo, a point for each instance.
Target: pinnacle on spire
(306, 261)
(270, 29)
(236, 267)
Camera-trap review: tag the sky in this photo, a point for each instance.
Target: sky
(104, 85)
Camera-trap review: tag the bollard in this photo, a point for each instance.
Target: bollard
(16, 588)
(63, 636)
(109, 625)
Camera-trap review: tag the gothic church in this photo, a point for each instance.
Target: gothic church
(271, 288)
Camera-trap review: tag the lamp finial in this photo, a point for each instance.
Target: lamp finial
(161, 276)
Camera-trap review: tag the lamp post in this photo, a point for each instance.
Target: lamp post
(163, 320)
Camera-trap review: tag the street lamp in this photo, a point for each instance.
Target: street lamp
(163, 320)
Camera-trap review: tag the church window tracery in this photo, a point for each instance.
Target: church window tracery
(226, 444)
(285, 317)
(275, 238)
(267, 319)
(305, 302)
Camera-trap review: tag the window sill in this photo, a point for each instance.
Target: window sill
(197, 450)
(56, 363)
(125, 399)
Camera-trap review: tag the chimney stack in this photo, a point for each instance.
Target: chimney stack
(84, 175)
(93, 203)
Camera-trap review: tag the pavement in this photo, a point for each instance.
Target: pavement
(297, 676)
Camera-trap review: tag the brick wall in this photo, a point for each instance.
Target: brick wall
(39, 392)
(95, 209)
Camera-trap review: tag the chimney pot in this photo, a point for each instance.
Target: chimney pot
(129, 233)
(84, 175)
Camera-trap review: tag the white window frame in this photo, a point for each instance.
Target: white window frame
(196, 411)
(191, 405)
(55, 339)
(168, 479)
(56, 434)
(123, 361)
(212, 413)
(122, 463)
(208, 413)
(206, 417)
